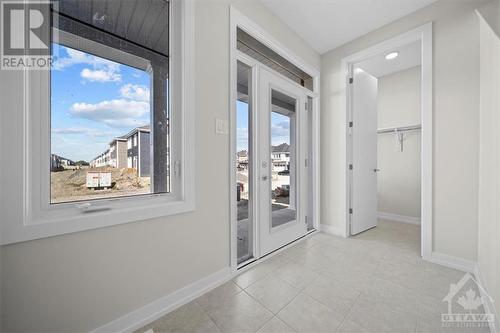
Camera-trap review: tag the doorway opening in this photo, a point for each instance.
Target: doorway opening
(274, 145)
(389, 140)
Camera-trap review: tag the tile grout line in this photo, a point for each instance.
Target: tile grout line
(209, 316)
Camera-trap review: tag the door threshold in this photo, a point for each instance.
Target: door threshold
(254, 261)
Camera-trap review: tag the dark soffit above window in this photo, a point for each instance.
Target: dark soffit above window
(142, 22)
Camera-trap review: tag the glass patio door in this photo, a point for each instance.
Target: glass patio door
(281, 167)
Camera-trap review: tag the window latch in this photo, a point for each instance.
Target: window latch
(84, 206)
(87, 207)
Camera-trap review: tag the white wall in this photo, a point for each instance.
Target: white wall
(80, 281)
(489, 163)
(399, 177)
(456, 102)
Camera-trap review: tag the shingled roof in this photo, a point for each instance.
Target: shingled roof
(282, 148)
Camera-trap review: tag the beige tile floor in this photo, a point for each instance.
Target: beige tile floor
(374, 282)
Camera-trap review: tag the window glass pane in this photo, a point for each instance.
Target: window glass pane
(283, 159)
(100, 127)
(243, 164)
(110, 125)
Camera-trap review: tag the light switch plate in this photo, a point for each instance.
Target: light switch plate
(221, 126)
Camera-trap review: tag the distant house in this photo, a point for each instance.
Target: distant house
(118, 152)
(102, 160)
(280, 157)
(242, 159)
(57, 162)
(128, 151)
(138, 152)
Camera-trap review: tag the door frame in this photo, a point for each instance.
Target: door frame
(424, 35)
(238, 20)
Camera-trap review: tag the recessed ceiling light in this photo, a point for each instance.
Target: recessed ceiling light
(392, 55)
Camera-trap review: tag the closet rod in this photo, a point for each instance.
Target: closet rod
(399, 129)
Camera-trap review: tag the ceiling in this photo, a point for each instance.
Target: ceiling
(144, 22)
(327, 24)
(378, 66)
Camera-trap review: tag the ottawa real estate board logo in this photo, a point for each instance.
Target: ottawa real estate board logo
(25, 34)
(468, 305)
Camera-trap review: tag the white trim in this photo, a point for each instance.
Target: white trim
(37, 219)
(330, 229)
(399, 218)
(488, 302)
(424, 35)
(446, 260)
(166, 304)
(156, 309)
(237, 19)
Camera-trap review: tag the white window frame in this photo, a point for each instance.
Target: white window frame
(37, 218)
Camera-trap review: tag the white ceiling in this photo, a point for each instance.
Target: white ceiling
(378, 66)
(327, 24)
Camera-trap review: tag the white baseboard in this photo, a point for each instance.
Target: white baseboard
(156, 309)
(487, 300)
(460, 264)
(330, 229)
(399, 218)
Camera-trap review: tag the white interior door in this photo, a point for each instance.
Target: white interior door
(281, 166)
(364, 91)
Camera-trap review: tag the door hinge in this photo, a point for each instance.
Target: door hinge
(306, 163)
(350, 210)
(351, 80)
(305, 219)
(350, 166)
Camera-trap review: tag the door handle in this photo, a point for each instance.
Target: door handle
(264, 178)
(376, 170)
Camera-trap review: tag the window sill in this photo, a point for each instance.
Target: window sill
(41, 227)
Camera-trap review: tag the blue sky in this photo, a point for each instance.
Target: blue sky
(280, 127)
(93, 101)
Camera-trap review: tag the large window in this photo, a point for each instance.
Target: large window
(98, 108)
(109, 129)
(103, 111)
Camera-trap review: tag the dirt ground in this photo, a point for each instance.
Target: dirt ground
(70, 185)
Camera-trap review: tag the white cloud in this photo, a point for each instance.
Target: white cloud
(102, 70)
(76, 149)
(242, 138)
(280, 129)
(76, 57)
(135, 92)
(280, 133)
(100, 75)
(92, 132)
(114, 113)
